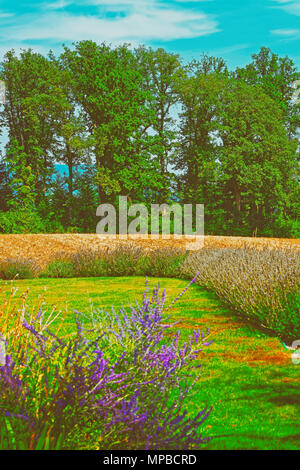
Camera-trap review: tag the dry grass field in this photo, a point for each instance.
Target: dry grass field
(43, 247)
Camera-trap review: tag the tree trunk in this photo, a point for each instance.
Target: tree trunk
(238, 199)
(70, 180)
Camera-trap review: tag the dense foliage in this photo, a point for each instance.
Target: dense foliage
(139, 122)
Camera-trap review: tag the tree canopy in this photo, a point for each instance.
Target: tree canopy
(139, 122)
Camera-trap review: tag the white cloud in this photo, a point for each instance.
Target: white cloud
(59, 4)
(18, 46)
(289, 34)
(229, 49)
(286, 32)
(144, 21)
(6, 15)
(291, 6)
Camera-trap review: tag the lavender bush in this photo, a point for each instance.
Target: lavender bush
(121, 384)
(261, 285)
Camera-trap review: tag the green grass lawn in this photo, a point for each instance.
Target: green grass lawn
(247, 377)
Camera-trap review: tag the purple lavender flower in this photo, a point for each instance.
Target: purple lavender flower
(124, 392)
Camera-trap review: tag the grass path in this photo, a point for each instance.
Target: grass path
(246, 376)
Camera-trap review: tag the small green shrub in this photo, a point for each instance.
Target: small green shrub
(124, 260)
(60, 267)
(21, 221)
(163, 262)
(282, 229)
(87, 263)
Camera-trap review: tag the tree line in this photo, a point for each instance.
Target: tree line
(143, 124)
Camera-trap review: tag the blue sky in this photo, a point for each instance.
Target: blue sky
(233, 29)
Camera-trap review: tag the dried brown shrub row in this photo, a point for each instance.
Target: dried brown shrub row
(42, 248)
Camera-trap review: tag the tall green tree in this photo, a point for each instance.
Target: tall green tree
(5, 189)
(162, 72)
(196, 153)
(73, 144)
(21, 179)
(30, 113)
(111, 116)
(258, 161)
(86, 199)
(276, 76)
(109, 87)
(199, 92)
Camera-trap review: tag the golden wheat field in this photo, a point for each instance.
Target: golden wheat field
(43, 247)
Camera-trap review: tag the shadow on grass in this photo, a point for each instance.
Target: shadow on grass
(279, 394)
